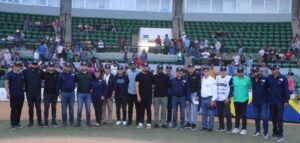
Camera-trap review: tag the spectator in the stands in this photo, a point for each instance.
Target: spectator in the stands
(61, 27)
(55, 25)
(291, 82)
(122, 44)
(264, 70)
(236, 58)
(42, 51)
(179, 57)
(70, 54)
(18, 39)
(125, 57)
(144, 56)
(80, 27)
(84, 55)
(157, 41)
(187, 44)
(26, 25)
(36, 54)
(59, 50)
(205, 43)
(205, 56)
(167, 42)
(250, 61)
(296, 47)
(242, 59)
(266, 56)
(100, 46)
(113, 28)
(288, 56)
(261, 52)
(218, 46)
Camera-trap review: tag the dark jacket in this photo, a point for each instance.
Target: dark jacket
(33, 81)
(279, 92)
(50, 86)
(110, 86)
(98, 87)
(194, 81)
(161, 83)
(179, 88)
(260, 90)
(121, 85)
(84, 82)
(66, 82)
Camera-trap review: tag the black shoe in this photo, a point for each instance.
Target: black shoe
(40, 124)
(129, 123)
(19, 126)
(77, 125)
(46, 125)
(203, 129)
(164, 126)
(209, 130)
(54, 125)
(156, 125)
(187, 126)
(193, 127)
(30, 125)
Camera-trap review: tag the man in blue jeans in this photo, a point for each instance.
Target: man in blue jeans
(179, 89)
(208, 98)
(260, 101)
(83, 80)
(66, 86)
(194, 82)
(278, 99)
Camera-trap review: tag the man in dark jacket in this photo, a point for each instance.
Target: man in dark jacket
(33, 85)
(83, 79)
(66, 86)
(278, 99)
(160, 82)
(108, 100)
(50, 77)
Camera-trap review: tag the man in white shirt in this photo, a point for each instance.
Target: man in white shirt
(59, 50)
(208, 98)
(100, 46)
(236, 59)
(224, 91)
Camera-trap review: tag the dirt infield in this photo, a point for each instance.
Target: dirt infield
(68, 140)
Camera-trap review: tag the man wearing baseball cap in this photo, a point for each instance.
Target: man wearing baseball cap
(224, 91)
(120, 94)
(241, 87)
(194, 82)
(143, 86)
(180, 93)
(160, 101)
(14, 87)
(108, 99)
(83, 79)
(66, 87)
(260, 101)
(33, 85)
(168, 72)
(278, 99)
(50, 77)
(208, 98)
(132, 72)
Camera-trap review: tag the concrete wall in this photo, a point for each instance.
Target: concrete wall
(147, 15)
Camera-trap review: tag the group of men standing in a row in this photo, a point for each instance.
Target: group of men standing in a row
(141, 88)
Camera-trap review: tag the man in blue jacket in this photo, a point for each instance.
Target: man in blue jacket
(66, 86)
(260, 101)
(180, 92)
(278, 99)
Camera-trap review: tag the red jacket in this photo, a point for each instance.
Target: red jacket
(288, 55)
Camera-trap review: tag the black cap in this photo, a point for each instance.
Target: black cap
(191, 65)
(51, 64)
(256, 69)
(145, 64)
(240, 69)
(97, 70)
(107, 66)
(223, 68)
(160, 66)
(206, 68)
(168, 67)
(68, 64)
(290, 73)
(17, 63)
(179, 69)
(84, 63)
(132, 63)
(275, 66)
(35, 62)
(120, 67)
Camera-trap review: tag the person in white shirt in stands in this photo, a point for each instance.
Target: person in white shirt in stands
(236, 59)
(100, 46)
(224, 88)
(208, 98)
(59, 50)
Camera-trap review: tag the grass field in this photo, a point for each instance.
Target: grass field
(291, 133)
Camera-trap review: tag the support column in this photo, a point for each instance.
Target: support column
(66, 18)
(295, 9)
(177, 20)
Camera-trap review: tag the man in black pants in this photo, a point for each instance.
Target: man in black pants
(33, 78)
(120, 93)
(169, 106)
(50, 94)
(14, 86)
(143, 85)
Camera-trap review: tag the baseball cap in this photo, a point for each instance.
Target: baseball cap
(179, 69)
(35, 62)
(17, 63)
(168, 67)
(191, 65)
(120, 67)
(160, 66)
(68, 64)
(51, 64)
(107, 66)
(145, 64)
(223, 68)
(290, 73)
(274, 66)
(255, 69)
(97, 70)
(240, 69)
(206, 68)
(84, 63)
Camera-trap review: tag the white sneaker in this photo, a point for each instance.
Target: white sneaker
(280, 139)
(118, 123)
(148, 126)
(255, 134)
(124, 123)
(235, 131)
(170, 124)
(266, 136)
(140, 126)
(243, 132)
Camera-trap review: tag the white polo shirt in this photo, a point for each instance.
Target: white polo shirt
(209, 88)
